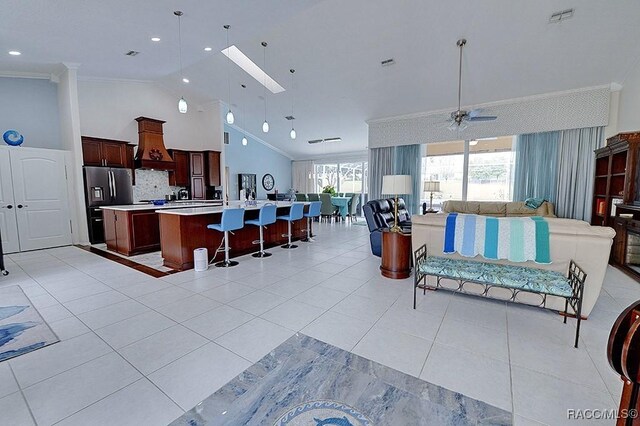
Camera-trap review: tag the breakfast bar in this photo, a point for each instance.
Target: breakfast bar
(184, 230)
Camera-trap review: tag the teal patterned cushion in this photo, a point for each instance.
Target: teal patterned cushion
(510, 276)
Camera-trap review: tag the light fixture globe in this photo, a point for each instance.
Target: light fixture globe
(230, 117)
(244, 141)
(293, 133)
(182, 106)
(265, 127)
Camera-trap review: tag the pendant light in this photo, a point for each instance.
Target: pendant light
(292, 133)
(244, 119)
(230, 118)
(182, 103)
(265, 125)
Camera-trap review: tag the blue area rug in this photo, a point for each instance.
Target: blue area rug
(307, 382)
(22, 329)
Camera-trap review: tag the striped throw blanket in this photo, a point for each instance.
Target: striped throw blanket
(517, 239)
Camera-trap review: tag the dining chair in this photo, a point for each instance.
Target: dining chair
(353, 207)
(301, 197)
(313, 197)
(327, 210)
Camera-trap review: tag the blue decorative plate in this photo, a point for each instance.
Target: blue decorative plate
(323, 413)
(13, 138)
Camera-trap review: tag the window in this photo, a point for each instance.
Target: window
(344, 177)
(486, 175)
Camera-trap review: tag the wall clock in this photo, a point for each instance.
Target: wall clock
(268, 182)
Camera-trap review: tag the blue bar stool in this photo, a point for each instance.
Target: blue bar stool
(267, 216)
(295, 213)
(314, 211)
(232, 219)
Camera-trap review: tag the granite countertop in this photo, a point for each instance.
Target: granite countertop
(194, 211)
(168, 206)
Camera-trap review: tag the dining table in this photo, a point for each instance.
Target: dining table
(342, 203)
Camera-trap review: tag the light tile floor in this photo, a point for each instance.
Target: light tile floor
(140, 350)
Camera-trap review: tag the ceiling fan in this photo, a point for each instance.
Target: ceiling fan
(460, 117)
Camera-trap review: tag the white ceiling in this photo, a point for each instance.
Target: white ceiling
(336, 48)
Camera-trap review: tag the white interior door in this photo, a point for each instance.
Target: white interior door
(8, 223)
(40, 194)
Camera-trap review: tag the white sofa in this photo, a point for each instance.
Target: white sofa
(570, 239)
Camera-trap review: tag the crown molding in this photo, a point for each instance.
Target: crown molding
(113, 80)
(34, 75)
(492, 104)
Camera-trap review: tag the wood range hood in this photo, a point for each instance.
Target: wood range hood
(152, 153)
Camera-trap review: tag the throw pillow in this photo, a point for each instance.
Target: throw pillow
(533, 203)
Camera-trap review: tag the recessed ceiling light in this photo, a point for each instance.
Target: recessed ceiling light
(208, 49)
(155, 38)
(236, 55)
(14, 53)
(132, 53)
(185, 80)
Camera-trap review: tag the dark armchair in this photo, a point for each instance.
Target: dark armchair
(379, 215)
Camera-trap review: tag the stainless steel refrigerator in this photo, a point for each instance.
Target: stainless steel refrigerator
(105, 186)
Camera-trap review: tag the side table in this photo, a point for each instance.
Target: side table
(396, 255)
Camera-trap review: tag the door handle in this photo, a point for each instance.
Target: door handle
(21, 206)
(115, 187)
(8, 206)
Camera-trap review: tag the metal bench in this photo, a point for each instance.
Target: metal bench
(516, 279)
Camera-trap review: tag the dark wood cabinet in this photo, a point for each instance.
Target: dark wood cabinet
(92, 152)
(616, 177)
(132, 232)
(106, 152)
(198, 190)
(181, 175)
(213, 168)
(197, 164)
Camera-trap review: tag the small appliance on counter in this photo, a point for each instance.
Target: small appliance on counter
(183, 194)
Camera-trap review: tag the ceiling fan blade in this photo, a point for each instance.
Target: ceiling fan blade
(482, 118)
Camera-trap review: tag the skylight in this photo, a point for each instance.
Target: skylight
(252, 69)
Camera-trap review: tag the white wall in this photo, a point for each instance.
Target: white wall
(30, 106)
(108, 110)
(629, 108)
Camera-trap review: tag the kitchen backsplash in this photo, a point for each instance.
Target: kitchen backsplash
(152, 185)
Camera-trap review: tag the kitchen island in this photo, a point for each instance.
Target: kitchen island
(183, 230)
(135, 229)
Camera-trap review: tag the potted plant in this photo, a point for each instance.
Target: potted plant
(329, 189)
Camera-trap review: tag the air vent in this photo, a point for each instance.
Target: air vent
(388, 62)
(562, 15)
(290, 117)
(132, 53)
(226, 138)
(316, 141)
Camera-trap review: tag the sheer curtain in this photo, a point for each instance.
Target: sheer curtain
(576, 168)
(303, 176)
(536, 166)
(381, 162)
(408, 161)
(559, 167)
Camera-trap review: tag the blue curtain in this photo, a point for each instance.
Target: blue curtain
(576, 168)
(536, 166)
(409, 162)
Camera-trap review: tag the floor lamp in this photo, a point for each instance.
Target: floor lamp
(394, 185)
(431, 186)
